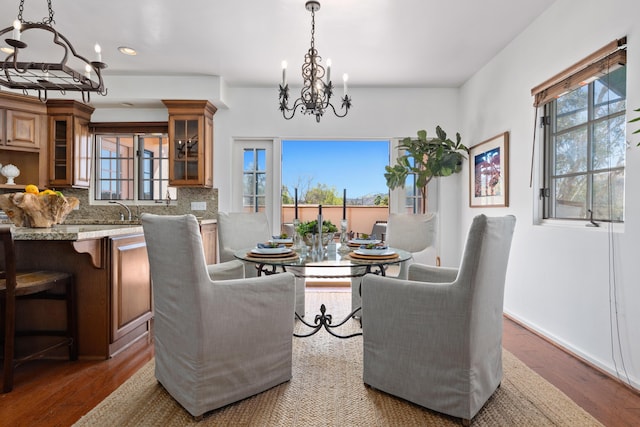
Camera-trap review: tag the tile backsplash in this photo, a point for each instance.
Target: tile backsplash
(183, 204)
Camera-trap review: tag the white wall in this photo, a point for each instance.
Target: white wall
(561, 280)
(376, 113)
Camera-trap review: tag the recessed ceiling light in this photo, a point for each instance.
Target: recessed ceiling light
(6, 49)
(127, 50)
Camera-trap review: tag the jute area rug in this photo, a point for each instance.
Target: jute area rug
(327, 390)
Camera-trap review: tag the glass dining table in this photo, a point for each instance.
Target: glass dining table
(330, 265)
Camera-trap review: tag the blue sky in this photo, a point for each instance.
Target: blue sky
(357, 166)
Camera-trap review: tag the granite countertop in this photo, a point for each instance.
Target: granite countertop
(84, 229)
(75, 232)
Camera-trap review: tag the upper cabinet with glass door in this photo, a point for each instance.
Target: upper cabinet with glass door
(69, 143)
(190, 142)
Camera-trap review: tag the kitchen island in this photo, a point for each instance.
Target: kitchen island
(113, 283)
(111, 270)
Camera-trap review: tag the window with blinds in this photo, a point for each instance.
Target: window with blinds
(584, 122)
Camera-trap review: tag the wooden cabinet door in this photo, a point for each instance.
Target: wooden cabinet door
(186, 147)
(131, 297)
(82, 149)
(210, 242)
(22, 129)
(3, 127)
(60, 154)
(70, 144)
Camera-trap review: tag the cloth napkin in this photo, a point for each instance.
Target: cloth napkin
(268, 245)
(375, 247)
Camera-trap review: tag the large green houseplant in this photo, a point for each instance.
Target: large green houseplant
(426, 158)
(637, 110)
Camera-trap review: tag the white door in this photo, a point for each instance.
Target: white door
(256, 178)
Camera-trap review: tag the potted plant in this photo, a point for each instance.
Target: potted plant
(637, 110)
(311, 227)
(426, 158)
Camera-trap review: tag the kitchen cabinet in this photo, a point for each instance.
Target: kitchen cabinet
(131, 296)
(21, 129)
(190, 142)
(209, 234)
(22, 138)
(113, 285)
(113, 280)
(69, 143)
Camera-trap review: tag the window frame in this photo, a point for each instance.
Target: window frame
(550, 178)
(138, 132)
(598, 64)
(255, 173)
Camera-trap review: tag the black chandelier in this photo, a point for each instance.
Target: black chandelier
(316, 92)
(44, 76)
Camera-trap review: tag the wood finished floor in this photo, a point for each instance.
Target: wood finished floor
(58, 393)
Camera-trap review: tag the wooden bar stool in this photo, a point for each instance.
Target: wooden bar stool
(33, 285)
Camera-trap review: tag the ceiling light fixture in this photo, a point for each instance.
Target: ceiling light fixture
(44, 76)
(317, 90)
(127, 50)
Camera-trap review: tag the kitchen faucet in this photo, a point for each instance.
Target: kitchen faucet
(124, 206)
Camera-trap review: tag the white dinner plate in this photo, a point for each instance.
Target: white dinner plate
(378, 252)
(364, 241)
(265, 251)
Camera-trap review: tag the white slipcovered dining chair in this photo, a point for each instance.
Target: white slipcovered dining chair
(216, 341)
(242, 230)
(415, 233)
(436, 338)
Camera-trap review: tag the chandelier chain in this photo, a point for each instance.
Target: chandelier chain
(313, 27)
(44, 20)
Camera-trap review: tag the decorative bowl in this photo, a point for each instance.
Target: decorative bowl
(326, 238)
(10, 172)
(33, 210)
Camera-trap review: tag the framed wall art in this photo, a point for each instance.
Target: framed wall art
(489, 172)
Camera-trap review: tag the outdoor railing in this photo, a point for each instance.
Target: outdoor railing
(361, 218)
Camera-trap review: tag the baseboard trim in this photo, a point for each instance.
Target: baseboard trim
(573, 354)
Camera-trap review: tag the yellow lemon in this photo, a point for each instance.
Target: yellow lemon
(33, 189)
(47, 192)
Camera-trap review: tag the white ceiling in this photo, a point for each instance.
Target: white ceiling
(383, 43)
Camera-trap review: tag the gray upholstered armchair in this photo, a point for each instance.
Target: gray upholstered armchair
(216, 341)
(436, 338)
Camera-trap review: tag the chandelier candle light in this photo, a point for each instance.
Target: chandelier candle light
(42, 76)
(317, 89)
